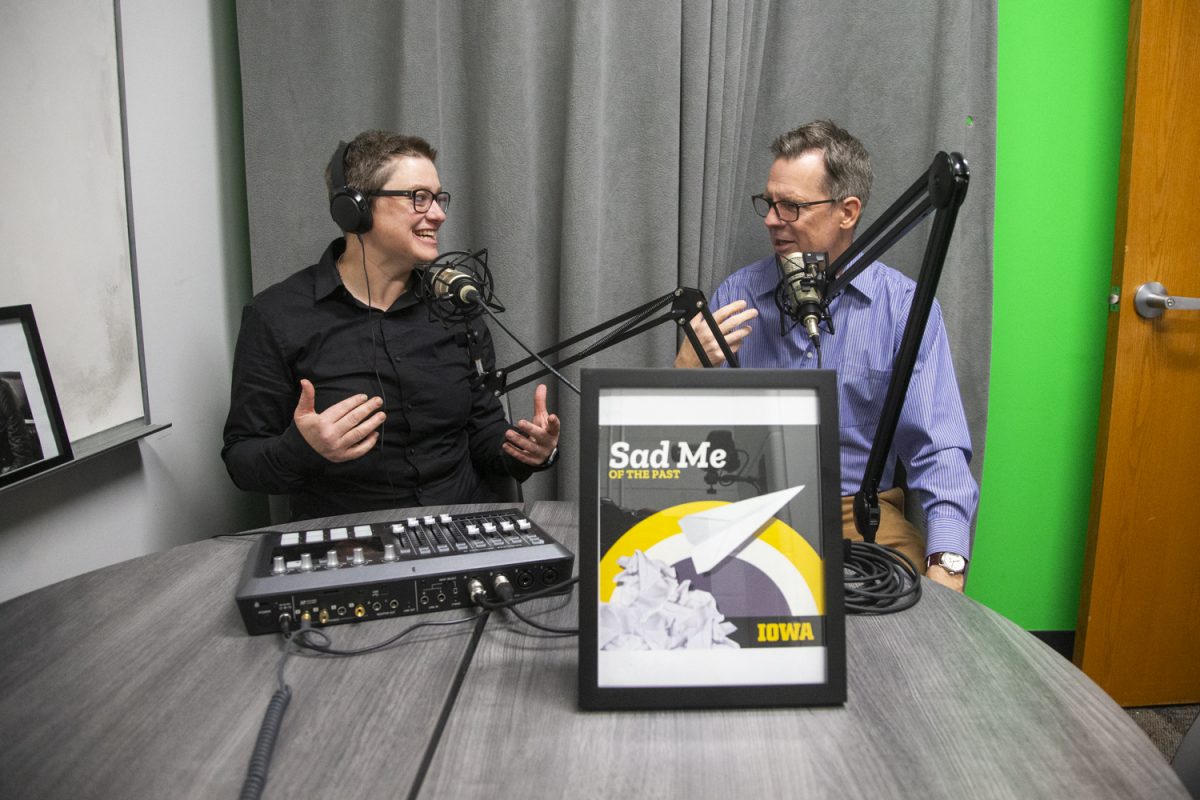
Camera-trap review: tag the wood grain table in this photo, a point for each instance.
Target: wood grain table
(139, 681)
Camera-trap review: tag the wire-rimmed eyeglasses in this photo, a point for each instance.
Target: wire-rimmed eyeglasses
(786, 210)
(422, 199)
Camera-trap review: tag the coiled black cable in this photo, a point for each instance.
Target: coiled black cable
(309, 638)
(878, 579)
(264, 748)
(268, 732)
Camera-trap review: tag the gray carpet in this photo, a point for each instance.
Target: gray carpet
(1165, 725)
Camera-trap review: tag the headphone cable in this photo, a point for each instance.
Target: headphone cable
(375, 362)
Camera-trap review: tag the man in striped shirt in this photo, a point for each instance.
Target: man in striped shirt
(815, 193)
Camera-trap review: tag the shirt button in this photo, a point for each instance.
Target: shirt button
(412, 451)
(808, 354)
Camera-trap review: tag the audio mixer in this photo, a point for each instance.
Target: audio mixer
(388, 569)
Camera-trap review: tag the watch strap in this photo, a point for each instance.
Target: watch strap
(549, 462)
(954, 563)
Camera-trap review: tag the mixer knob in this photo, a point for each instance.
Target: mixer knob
(278, 566)
(306, 562)
(389, 552)
(331, 560)
(358, 557)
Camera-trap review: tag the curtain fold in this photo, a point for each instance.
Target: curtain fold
(604, 151)
(722, 45)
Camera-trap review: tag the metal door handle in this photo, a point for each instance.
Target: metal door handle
(1152, 299)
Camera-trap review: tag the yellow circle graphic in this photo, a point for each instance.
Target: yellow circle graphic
(665, 524)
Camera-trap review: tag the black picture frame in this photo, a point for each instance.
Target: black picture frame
(772, 568)
(33, 437)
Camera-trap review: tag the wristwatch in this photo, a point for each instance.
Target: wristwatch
(951, 562)
(550, 459)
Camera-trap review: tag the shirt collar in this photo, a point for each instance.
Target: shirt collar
(328, 281)
(865, 283)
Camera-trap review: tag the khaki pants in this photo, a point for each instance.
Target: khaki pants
(894, 530)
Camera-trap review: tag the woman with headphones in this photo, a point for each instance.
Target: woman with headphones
(347, 394)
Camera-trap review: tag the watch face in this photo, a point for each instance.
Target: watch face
(952, 562)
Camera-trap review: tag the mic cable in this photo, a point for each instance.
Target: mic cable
(540, 360)
(458, 286)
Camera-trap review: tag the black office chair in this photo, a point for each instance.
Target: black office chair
(1186, 762)
(505, 487)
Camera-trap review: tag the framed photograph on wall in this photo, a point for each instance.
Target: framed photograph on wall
(710, 553)
(32, 435)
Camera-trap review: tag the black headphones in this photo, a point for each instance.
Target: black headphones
(350, 208)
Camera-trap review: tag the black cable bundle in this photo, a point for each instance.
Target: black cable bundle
(878, 579)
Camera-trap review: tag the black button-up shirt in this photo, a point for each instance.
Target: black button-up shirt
(443, 430)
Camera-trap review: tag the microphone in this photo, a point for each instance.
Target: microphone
(804, 276)
(447, 283)
(457, 286)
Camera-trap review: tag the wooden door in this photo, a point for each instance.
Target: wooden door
(1139, 620)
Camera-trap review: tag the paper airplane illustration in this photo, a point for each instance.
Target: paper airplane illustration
(716, 533)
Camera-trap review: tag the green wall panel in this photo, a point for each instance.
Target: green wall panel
(1060, 96)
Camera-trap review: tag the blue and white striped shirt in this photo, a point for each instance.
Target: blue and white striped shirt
(932, 440)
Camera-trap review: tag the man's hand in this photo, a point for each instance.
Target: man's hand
(731, 319)
(344, 431)
(938, 574)
(534, 440)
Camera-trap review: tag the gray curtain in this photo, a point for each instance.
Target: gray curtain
(604, 150)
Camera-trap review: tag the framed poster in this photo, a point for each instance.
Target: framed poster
(710, 539)
(32, 435)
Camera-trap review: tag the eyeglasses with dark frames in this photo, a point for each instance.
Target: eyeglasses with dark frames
(786, 210)
(422, 199)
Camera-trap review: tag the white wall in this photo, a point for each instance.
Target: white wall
(184, 113)
(61, 95)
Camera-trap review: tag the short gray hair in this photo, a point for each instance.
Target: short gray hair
(847, 163)
(368, 159)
